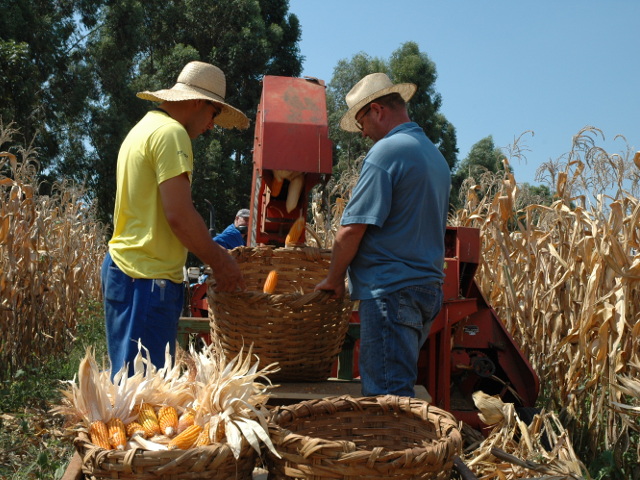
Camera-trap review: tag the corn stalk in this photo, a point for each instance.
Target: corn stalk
(51, 248)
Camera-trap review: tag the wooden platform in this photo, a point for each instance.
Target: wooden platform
(287, 393)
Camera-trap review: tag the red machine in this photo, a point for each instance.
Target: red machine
(291, 141)
(468, 348)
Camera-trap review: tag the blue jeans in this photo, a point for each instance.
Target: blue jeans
(139, 309)
(392, 330)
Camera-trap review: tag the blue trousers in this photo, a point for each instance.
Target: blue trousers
(392, 330)
(139, 309)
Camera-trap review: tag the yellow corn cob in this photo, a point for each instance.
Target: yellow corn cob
(295, 232)
(99, 434)
(185, 439)
(220, 432)
(271, 282)
(276, 186)
(133, 429)
(203, 437)
(117, 434)
(186, 420)
(168, 420)
(148, 419)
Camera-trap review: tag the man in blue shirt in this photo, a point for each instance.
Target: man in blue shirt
(233, 235)
(391, 237)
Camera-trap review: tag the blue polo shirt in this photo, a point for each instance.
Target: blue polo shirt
(402, 194)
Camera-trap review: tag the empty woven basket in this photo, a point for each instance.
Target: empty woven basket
(302, 330)
(363, 438)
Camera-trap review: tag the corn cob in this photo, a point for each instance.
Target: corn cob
(148, 419)
(186, 420)
(117, 434)
(271, 282)
(185, 439)
(220, 432)
(99, 434)
(295, 232)
(203, 437)
(134, 429)
(168, 420)
(276, 186)
(293, 194)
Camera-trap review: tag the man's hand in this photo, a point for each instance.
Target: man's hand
(337, 288)
(345, 247)
(227, 275)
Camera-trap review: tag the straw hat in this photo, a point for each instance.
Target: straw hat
(199, 80)
(372, 86)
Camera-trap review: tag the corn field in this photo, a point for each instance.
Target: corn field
(51, 249)
(564, 279)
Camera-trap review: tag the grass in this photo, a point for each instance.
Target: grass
(33, 443)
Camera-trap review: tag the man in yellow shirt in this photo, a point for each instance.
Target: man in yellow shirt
(155, 222)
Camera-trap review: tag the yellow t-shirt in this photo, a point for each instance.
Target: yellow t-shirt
(143, 246)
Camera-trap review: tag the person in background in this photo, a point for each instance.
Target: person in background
(155, 222)
(235, 234)
(391, 237)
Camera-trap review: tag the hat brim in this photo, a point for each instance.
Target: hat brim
(229, 117)
(348, 120)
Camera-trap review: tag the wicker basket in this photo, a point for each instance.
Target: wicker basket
(213, 462)
(364, 438)
(302, 330)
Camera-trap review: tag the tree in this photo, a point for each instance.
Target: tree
(44, 85)
(407, 64)
(483, 157)
(135, 45)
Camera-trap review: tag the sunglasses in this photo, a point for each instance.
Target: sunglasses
(359, 120)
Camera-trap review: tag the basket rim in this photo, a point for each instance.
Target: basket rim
(418, 408)
(84, 446)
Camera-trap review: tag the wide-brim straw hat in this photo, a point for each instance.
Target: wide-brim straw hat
(199, 80)
(372, 86)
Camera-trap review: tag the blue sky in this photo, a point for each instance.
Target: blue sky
(504, 67)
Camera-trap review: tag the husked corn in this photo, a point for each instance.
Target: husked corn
(99, 434)
(133, 429)
(271, 282)
(186, 420)
(185, 439)
(168, 420)
(203, 437)
(295, 232)
(117, 433)
(148, 419)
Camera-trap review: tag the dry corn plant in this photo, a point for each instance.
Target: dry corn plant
(565, 280)
(50, 253)
(514, 449)
(328, 202)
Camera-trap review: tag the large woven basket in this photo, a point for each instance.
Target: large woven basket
(302, 330)
(363, 438)
(213, 462)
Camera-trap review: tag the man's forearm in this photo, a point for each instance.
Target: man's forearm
(345, 248)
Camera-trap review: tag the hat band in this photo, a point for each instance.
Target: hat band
(185, 86)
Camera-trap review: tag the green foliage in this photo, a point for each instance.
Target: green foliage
(483, 157)
(143, 46)
(32, 445)
(43, 85)
(406, 64)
